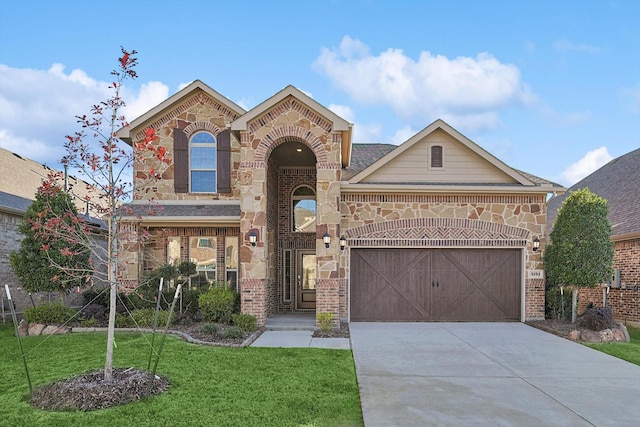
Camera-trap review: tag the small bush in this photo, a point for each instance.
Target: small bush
(209, 328)
(49, 314)
(597, 318)
(217, 305)
(246, 322)
(95, 312)
(142, 318)
(325, 321)
(558, 305)
(233, 332)
(89, 323)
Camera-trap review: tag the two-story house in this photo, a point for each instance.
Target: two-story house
(280, 202)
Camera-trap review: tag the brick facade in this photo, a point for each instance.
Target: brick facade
(624, 301)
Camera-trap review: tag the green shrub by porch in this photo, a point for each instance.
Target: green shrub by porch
(216, 305)
(55, 313)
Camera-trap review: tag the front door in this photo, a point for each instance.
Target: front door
(306, 279)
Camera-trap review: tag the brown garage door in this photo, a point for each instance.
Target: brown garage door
(435, 284)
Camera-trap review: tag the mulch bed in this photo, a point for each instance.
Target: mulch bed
(90, 391)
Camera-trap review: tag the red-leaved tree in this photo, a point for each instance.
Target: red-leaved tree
(105, 164)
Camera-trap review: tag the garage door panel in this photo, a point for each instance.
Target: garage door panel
(435, 284)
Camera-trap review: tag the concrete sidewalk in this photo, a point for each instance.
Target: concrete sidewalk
(299, 339)
(488, 374)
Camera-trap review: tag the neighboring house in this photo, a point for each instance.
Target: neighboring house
(436, 229)
(19, 181)
(619, 183)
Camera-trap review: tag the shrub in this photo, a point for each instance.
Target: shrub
(209, 328)
(49, 313)
(217, 305)
(246, 322)
(597, 318)
(96, 296)
(325, 321)
(554, 303)
(233, 332)
(95, 312)
(142, 318)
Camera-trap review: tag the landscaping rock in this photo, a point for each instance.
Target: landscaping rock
(623, 329)
(35, 328)
(591, 336)
(55, 330)
(606, 335)
(574, 335)
(23, 328)
(618, 335)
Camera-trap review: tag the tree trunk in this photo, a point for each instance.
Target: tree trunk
(113, 290)
(574, 305)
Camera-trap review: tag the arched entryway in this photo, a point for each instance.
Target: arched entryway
(291, 223)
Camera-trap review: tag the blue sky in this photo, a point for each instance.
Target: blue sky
(549, 87)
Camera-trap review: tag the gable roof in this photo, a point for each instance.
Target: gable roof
(440, 124)
(126, 132)
(338, 123)
(364, 155)
(619, 183)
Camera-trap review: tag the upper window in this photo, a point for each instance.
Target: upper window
(436, 157)
(304, 209)
(203, 162)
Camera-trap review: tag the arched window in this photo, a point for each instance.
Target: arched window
(303, 202)
(202, 163)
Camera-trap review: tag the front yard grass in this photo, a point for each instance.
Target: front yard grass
(627, 351)
(209, 385)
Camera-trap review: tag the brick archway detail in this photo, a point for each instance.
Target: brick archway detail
(438, 232)
(290, 133)
(197, 126)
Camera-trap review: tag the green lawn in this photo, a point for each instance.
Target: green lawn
(627, 351)
(210, 386)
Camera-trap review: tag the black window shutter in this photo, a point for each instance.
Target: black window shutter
(180, 161)
(436, 156)
(224, 161)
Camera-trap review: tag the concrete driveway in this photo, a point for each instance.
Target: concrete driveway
(488, 374)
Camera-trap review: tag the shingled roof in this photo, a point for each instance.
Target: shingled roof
(14, 204)
(619, 182)
(363, 155)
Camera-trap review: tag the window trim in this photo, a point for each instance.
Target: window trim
(214, 167)
(300, 198)
(430, 165)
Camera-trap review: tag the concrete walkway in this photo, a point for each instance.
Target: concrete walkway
(488, 374)
(296, 331)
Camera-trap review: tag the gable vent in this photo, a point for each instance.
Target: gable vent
(436, 156)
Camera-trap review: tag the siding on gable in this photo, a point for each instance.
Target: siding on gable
(461, 165)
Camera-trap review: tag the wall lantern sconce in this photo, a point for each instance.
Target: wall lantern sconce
(536, 244)
(343, 243)
(326, 239)
(253, 238)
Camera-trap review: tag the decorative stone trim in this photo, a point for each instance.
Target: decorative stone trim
(295, 171)
(439, 230)
(252, 165)
(285, 134)
(208, 126)
(288, 105)
(441, 198)
(185, 106)
(328, 166)
(436, 243)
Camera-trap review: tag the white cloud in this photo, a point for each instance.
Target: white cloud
(565, 45)
(39, 107)
(591, 162)
(402, 135)
(362, 133)
(431, 87)
(150, 95)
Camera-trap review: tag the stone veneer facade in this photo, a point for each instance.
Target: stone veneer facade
(263, 189)
(435, 221)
